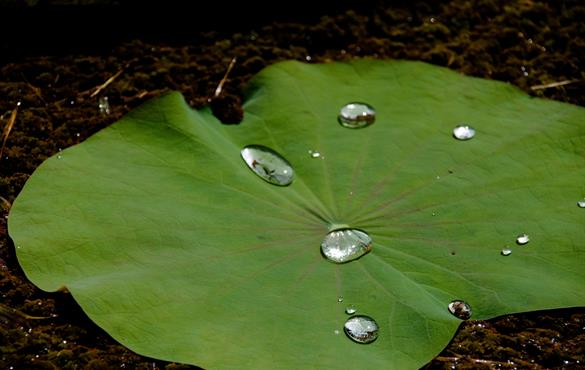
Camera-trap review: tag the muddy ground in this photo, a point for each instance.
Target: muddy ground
(55, 76)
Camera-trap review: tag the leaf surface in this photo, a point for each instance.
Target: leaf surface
(171, 244)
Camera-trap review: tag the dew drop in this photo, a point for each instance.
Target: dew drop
(314, 154)
(506, 252)
(463, 132)
(460, 309)
(336, 332)
(361, 329)
(268, 164)
(522, 239)
(356, 115)
(350, 310)
(581, 204)
(104, 105)
(340, 299)
(344, 245)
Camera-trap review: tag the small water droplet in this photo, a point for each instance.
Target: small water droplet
(314, 154)
(522, 239)
(438, 177)
(268, 164)
(336, 332)
(78, 134)
(350, 310)
(104, 105)
(356, 115)
(506, 252)
(434, 214)
(361, 329)
(463, 132)
(433, 20)
(340, 299)
(344, 245)
(581, 204)
(19, 103)
(308, 58)
(460, 309)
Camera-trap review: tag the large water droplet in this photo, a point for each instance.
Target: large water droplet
(460, 309)
(268, 164)
(463, 132)
(350, 310)
(356, 115)
(522, 239)
(581, 204)
(506, 252)
(344, 245)
(361, 329)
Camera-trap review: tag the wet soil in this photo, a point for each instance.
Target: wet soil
(62, 85)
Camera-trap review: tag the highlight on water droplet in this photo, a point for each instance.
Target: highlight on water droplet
(314, 154)
(350, 310)
(463, 132)
(361, 329)
(356, 115)
(268, 164)
(344, 245)
(506, 252)
(522, 239)
(581, 204)
(340, 299)
(460, 309)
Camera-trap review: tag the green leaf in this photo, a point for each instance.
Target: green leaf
(171, 244)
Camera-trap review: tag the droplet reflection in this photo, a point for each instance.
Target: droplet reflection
(344, 245)
(361, 329)
(268, 164)
(356, 115)
(460, 309)
(522, 239)
(463, 132)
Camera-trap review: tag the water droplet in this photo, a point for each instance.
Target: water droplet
(344, 245)
(336, 332)
(361, 329)
(268, 164)
(581, 204)
(308, 58)
(104, 105)
(340, 299)
(506, 252)
(460, 309)
(522, 239)
(463, 132)
(356, 115)
(314, 154)
(59, 156)
(350, 310)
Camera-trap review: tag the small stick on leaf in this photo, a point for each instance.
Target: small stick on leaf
(8, 127)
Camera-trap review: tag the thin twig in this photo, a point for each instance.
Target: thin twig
(219, 87)
(5, 203)
(475, 360)
(100, 88)
(8, 127)
(553, 84)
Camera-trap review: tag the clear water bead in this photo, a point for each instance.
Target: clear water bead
(340, 299)
(314, 154)
(463, 132)
(104, 105)
(460, 309)
(506, 252)
(344, 245)
(268, 164)
(581, 204)
(361, 329)
(522, 239)
(356, 115)
(350, 310)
